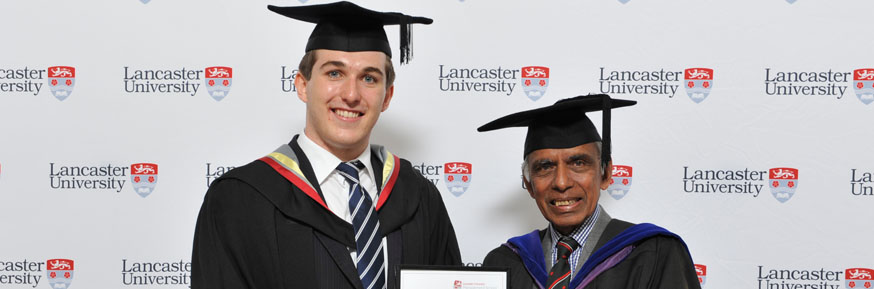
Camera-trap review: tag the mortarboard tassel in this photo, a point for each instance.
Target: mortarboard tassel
(406, 39)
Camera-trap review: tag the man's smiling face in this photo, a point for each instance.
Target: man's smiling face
(566, 184)
(344, 96)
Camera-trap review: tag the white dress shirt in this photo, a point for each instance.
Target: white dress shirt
(335, 188)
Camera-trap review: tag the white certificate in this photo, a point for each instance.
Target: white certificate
(441, 277)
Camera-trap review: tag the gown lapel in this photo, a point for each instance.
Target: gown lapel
(335, 234)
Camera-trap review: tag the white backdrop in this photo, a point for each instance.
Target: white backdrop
(117, 239)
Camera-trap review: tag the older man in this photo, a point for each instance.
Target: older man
(328, 209)
(566, 165)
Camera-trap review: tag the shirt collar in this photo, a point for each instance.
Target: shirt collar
(581, 233)
(324, 162)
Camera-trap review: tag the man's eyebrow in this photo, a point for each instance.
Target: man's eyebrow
(333, 63)
(542, 162)
(371, 69)
(581, 157)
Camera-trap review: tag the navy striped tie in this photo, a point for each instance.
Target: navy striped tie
(368, 240)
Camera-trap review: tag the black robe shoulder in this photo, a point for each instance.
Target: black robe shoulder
(655, 262)
(257, 230)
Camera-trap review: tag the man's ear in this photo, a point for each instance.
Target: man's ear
(300, 84)
(527, 186)
(389, 92)
(607, 175)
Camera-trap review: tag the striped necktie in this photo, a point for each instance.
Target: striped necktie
(368, 240)
(560, 275)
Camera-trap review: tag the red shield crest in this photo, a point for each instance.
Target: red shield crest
(863, 84)
(144, 176)
(59, 273)
(783, 182)
(698, 82)
(61, 81)
(218, 81)
(859, 278)
(621, 181)
(535, 79)
(457, 176)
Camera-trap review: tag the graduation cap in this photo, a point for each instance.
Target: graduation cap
(563, 124)
(348, 27)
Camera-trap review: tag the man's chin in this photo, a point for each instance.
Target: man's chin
(568, 222)
(347, 141)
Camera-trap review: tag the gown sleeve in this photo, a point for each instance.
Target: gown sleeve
(445, 244)
(233, 247)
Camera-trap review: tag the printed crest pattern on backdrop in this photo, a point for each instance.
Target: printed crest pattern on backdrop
(456, 284)
(59, 273)
(145, 1)
(783, 182)
(218, 81)
(535, 79)
(701, 271)
(859, 278)
(621, 181)
(624, 1)
(144, 176)
(863, 84)
(457, 176)
(698, 82)
(61, 81)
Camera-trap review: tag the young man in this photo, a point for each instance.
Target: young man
(566, 165)
(328, 209)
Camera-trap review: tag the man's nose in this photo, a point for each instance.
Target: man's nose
(350, 93)
(561, 181)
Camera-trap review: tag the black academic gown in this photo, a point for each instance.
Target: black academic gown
(659, 261)
(258, 229)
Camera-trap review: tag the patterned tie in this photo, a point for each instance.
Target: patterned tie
(368, 240)
(560, 275)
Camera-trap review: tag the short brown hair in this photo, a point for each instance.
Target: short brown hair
(305, 67)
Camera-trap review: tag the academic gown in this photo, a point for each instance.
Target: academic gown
(265, 225)
(626, 256)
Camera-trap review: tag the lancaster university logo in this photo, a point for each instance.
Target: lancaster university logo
(143, 177)
(621, 181)
(535, 79)
(701, 271)
(218, 81)
(61, 81)
(698, 82)
(457, 176)
(859, 278)
(60, 273)
(783, 182)
(863, 84)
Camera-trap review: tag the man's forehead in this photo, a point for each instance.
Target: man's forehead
(374, 58)
(588, 149)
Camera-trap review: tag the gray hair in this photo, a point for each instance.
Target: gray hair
(526, 173)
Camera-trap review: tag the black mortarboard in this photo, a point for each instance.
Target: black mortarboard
(348, 27)
(563, 124)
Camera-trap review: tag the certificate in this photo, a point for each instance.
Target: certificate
(444, 277)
